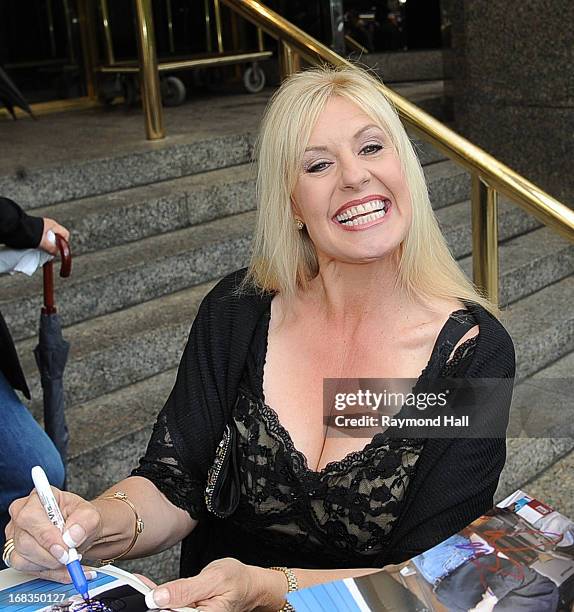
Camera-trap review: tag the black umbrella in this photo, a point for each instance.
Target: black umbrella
(10, 95)
(51, 355)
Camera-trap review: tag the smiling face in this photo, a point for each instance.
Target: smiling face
(351, 192)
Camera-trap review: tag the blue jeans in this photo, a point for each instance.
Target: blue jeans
(439, 561)
(23, 444)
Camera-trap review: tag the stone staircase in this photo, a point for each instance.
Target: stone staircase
(154, 228)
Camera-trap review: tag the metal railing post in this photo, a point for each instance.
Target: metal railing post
(289, 60)
(149, 75)
(485, 238)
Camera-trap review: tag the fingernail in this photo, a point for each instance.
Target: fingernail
(74, 536)
(59, 553)
(91, 575)
(157, 598)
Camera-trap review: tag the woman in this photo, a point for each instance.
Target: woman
(350, 277)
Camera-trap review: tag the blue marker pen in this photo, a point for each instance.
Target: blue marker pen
(48, 500)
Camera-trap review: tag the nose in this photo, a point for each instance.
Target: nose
(354, 174)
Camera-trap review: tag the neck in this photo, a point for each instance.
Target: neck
(347, 295)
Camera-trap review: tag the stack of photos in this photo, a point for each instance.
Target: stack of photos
(518, 556)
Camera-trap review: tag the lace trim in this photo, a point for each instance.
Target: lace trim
(462, 352)
(338, 466)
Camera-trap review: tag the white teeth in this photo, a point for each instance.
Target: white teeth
(366, 218)
(361, 209)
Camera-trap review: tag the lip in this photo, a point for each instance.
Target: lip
(364, 200)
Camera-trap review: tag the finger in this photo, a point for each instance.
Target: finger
(15, 507)
(20, 563)
(56, 228)
(32, 518)
(82, 525)
(180, 593)
(27, 546)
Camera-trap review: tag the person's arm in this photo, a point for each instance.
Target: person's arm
(164, 523)
(100, 529)
(237, 586)
(19, 230)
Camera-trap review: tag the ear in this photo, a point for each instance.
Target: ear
(295, 208)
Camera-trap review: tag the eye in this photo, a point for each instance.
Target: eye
(317, 167)
(374, 148)
(370, 149)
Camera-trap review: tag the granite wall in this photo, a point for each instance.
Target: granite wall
(512, 83)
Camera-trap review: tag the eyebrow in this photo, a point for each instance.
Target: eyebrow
(357, 134)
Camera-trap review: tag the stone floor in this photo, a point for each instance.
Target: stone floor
(92, 134)
(555, 486)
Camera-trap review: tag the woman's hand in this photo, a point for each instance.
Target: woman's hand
(225, 585)
(40, 547)
(45, 244)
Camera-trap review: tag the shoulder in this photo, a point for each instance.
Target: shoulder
(231, 298)
(495, 347)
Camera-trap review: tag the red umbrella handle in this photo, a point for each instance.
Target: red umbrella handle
(48, 269)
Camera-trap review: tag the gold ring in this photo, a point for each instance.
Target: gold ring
(9, 548)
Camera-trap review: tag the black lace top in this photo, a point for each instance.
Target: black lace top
(349, 506)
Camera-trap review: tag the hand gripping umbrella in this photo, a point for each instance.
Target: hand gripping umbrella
(52, 353)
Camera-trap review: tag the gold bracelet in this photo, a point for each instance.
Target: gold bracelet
(139, 526)
(292, 585)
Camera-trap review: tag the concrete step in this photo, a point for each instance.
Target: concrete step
(555, 485)
(125, 275)
(529, 263)
(447, 183)
(427, 95)
(530, 456)
(42, 186)
(109, 220)
(455, 224)
(122, 348)
(542, 326)
(109, 434)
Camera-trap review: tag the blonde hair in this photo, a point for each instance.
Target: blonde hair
(283, 258)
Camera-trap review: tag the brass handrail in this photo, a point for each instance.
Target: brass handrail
(489, 175)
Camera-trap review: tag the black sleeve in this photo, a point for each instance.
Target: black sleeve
(17, 229)
(162, 465)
